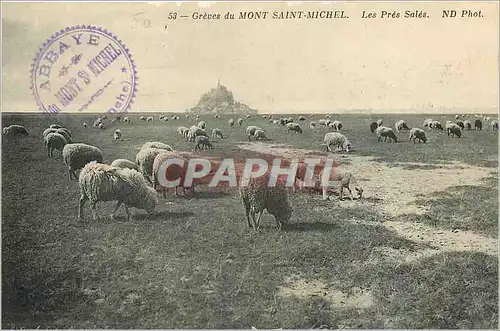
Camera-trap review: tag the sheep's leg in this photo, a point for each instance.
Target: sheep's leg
(278, 223)
(247, 213)
(74, 174)
(128, 212)
(259, 216)
(83, 199)
(116, 209)
(350, 193)
(70, 173)
(94, 210)
(325, 193)
(252, 215)
(341, 193)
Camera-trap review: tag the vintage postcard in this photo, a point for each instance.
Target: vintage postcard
(250, 165)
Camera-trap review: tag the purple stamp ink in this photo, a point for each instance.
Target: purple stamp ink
(84, 68)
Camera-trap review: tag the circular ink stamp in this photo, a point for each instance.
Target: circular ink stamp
(83, 68)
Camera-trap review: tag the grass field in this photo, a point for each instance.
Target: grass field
(418, 251)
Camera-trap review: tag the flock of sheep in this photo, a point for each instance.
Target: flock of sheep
(135, 184)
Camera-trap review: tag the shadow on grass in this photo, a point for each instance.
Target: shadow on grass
(316, 226)
(163, 215)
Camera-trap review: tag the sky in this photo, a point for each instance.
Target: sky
(277, 66)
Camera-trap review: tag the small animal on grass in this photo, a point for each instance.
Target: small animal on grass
(15, 130)
(336, 139)
(416, 133)
(203, 142)
(260, 135)
(217, 133)
(101, 182)
(478, 125)
(453, 129)
(257, 196)
(54, 141)
(345, 179)
(385, 132)
(117, 134)
(77, 155)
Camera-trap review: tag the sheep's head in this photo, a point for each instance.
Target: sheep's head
(5, 130)
(347, 146)
(150, 201)
(359, 190)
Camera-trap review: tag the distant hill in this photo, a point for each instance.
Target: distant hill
(220, 100)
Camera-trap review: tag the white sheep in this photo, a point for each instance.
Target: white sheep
(150, 119)
(401, 125)
(259, 135)
(77, 155)
(201, 125)
(145, 158)
(47, 131)
(217, 133)
(453, 129)
(66, 134)
(250, 130)
(385, 132)
(295, 127)
(322, 122)
(312, 125)
(124, 163)
(98, 122)
(427, 122)
(302, 118)
(416, 133)
(85, 125)
(194, 132)
(142, 118)
(494, 125)
(117, 134)
(338, 140)
(436, 125)
(457, 117)
(53, 141)
(101, 126)
(258, 196)
(156, 144)
(336, 125)
(327, 116)
(101, 182)
(15, 130)
(181, 130)
(126, 119)
(468, 124)
(380, 122)
(240, 121)
(231, 122)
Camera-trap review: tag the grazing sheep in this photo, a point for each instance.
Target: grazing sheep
(156, 144)
(312, 125)
(327, 116)
(217, 116)
(194, 132)
(161, 117)
(427, 122)
(117, 134)
(247, 116)
(15, 130)
(142, 118)
(436, 125)
(231, 122)
(85, 125)
(380, 122)
(454, 129)
(54, 126)
(346, 178)
(150, 119)
(101, 182)
(401, 125)
(468, 124)
(203, 142)
(478, 125)
(294, 127)
(47, 131)
(373, 127)
(336, 125)
(487, 118)
(251, 130)
(322, 122)
(181, 130)
(173, 171)
(385, 132)
(460, 124)
(416, 133)
(240, 121)
(302, 118)
(259, 135)
(457, 117)
(327, 122)
(65, 134)
(217, 133)
(77, 155)
(124, 163)
(97, 122)
(494, 125)
(145, 158)
(258, 196)
(202, 125)
(126, 119)
(53, 141)
(101, 126)
(338, 140)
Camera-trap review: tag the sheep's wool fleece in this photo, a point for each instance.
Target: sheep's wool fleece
(156, 144)
(77, 155)
(124, 163)
(100, 182)
(55, 140)
(260, 196)
(145, 159)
